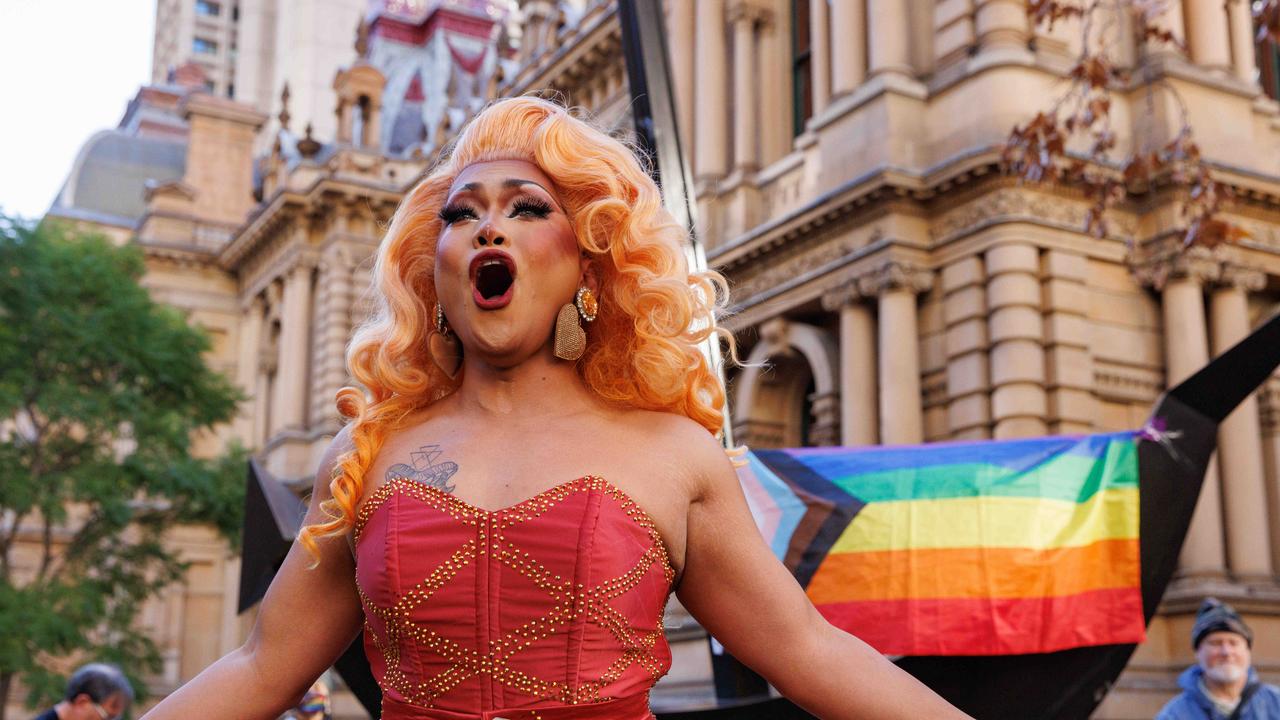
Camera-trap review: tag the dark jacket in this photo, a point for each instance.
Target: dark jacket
(1264, 704)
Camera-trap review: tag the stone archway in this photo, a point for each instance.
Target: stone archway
(787, 395)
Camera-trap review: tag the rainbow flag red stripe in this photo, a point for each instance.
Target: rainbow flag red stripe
(1009, 547)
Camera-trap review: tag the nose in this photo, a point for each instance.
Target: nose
(488, 235)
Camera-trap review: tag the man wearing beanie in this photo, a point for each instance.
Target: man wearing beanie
(1222, 685)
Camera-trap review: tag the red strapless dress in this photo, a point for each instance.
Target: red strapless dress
(550, 609)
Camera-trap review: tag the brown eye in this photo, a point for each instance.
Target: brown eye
(453, 213)
(530, 207)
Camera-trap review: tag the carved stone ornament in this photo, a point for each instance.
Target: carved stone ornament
(776, 336)
(1245, 278)
(846, 293)
(1010, 204)
(1197, 263)
(894, 275)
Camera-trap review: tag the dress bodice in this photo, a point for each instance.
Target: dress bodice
(550, 608)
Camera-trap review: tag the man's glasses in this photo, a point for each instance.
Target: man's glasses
(102, 713)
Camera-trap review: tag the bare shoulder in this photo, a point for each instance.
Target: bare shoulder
(339, 445)
(693, 451)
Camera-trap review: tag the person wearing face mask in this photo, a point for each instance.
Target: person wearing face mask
(531, 466)
(1222, 685)
(96, 691)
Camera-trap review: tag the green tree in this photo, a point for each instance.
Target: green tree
(101, 392)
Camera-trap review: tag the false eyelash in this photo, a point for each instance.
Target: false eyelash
(453, 213)
(533, 206)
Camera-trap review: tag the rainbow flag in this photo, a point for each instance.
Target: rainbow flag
(976, 548)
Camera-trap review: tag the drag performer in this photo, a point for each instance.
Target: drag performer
(533, 467)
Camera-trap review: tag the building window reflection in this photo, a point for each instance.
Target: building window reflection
(801, 61)
(204, 46)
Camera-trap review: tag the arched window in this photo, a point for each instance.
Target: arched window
(801, 66)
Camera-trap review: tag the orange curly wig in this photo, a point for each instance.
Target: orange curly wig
(643, 350)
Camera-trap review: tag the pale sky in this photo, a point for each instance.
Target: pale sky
(68, 68)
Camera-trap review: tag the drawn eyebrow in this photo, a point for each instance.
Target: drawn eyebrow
(514, 183)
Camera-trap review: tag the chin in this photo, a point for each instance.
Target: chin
(1225, 673)
(500, 349)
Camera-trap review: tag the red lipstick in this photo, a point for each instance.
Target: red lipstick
(493, 275)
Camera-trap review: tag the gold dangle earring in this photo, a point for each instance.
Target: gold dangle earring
(446, 351)
(571, 339)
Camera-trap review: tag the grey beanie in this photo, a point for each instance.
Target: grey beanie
(1215, 616)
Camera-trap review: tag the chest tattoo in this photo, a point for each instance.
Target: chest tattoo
(426, 467)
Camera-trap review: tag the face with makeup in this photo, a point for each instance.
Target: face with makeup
(506, 261)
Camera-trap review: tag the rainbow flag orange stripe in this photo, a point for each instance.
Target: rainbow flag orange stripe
(1009, 547)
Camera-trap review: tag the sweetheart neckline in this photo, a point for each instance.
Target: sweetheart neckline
(374, 502)
(519, 503)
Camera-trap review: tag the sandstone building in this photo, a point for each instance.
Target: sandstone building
(897, 285)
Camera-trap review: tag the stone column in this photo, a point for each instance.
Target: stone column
(1239, 438)
(373, 127)
(953, 36)
(345, 122)
(849, 52)
(1243, 54)
(247, 369)
(888, 37)
(1269, 409)
(1018, 401)
(1186, 351)
(819, 54)
(825, 430)
(1207, 37)
(711, 109)
(859, 409)
(964, 313)
(681, 17)
(896, 286)
(1001, 25)
(538, 26)
(1068, 361)
(746, 111)
(262, 401)
(332, 332)
(288, 405)
(1172, 20)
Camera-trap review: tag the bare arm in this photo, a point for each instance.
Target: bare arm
(309, 616)
(748, 600)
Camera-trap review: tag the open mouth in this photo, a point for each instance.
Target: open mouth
(493, 273)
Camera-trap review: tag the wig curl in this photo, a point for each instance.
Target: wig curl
(643, 348)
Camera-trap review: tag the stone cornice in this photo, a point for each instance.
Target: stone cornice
(222, 108)
(831, 271)
(177, 255)
(595, 37)
(838, 204)
(872, 282)
(286, 206)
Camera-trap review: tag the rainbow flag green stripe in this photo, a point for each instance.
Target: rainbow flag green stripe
(1021, 546)
(1073, 476)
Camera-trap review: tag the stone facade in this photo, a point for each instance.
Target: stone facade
(890, 284)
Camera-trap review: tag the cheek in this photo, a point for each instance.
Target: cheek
(554, 250)
(450, 263)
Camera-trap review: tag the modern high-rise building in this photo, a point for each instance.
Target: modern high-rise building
(199, 31)
(249, 50)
